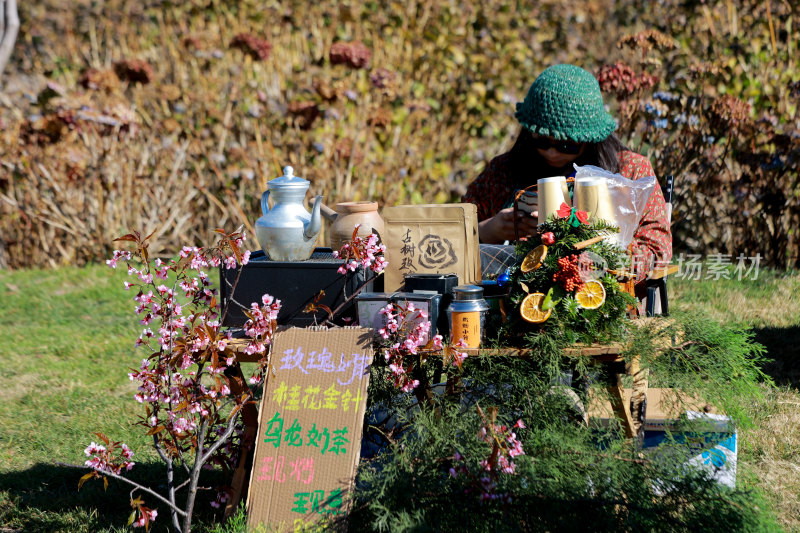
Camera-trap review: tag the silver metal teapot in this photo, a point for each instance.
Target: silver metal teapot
(288, 232)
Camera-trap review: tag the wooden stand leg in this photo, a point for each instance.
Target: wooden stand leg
(617, 394)
(639, 395)
(241, 476)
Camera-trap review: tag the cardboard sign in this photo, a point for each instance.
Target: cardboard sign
(432, 239)
(309, 431)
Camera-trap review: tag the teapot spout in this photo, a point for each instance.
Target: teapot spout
(315, 224)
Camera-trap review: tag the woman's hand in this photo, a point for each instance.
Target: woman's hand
(500, 227)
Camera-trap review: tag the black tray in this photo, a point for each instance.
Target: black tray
(294, 283)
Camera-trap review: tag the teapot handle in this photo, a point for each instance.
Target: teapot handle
(264, 204)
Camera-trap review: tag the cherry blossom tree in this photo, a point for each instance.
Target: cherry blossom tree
(190, 401)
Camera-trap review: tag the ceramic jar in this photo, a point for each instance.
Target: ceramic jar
(348, 214)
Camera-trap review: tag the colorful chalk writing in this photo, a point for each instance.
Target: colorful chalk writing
(312, 398)
(316, 502)
(301, 469)
(355, 364)
(321, 439)
(309, 429)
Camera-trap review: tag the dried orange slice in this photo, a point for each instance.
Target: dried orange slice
(531, 308)
(592, 295)
(534, 259)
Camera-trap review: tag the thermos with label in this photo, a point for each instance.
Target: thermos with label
(467, 315)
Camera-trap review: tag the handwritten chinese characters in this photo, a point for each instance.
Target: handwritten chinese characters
(314, 398)
(352, 365)
(407, 253)
(273, 469)
(324, 440)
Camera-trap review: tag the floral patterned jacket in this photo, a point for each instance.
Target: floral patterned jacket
(494, 188)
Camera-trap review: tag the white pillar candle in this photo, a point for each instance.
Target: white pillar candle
(551, 196)
(592, 196)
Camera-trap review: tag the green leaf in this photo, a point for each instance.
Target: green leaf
(549, 302)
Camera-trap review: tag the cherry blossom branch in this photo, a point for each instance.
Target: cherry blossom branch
(128, 481)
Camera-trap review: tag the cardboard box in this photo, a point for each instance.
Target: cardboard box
(707, 438)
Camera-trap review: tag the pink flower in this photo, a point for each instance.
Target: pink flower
(459, 357)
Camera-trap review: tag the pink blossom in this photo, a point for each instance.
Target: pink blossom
(459, 357)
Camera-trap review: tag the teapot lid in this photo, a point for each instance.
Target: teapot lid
(288, 180)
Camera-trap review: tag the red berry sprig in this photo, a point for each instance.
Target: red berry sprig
(569, 274)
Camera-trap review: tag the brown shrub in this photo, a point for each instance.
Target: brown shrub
(134, 70)
(99, 79)
(306, 111)
(354, 55)
(248, 43)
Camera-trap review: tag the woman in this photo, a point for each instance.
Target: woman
(563, 122)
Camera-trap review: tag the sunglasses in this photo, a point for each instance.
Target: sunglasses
(565, 147)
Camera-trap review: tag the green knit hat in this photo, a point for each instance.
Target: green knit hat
(565, 103)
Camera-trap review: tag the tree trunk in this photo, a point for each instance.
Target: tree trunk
(9, 25)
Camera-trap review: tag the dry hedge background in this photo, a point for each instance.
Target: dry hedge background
(172, 116)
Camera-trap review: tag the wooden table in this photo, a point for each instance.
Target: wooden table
(610, 356)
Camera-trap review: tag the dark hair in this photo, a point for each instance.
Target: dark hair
(527, 165)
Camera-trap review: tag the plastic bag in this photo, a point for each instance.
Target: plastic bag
(629, 198)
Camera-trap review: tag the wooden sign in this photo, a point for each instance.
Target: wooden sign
(309, 432)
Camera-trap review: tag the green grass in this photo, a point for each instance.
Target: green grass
(66, 343)
(769, 305)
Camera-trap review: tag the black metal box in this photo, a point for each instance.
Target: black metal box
(294, 283)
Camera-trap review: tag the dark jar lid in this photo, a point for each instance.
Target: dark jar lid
(468, 292)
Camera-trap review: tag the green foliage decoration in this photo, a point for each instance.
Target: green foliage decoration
(568, 322)
(693, 354)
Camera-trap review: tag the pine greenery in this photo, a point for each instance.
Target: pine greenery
(572, 477)
(427, 473)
